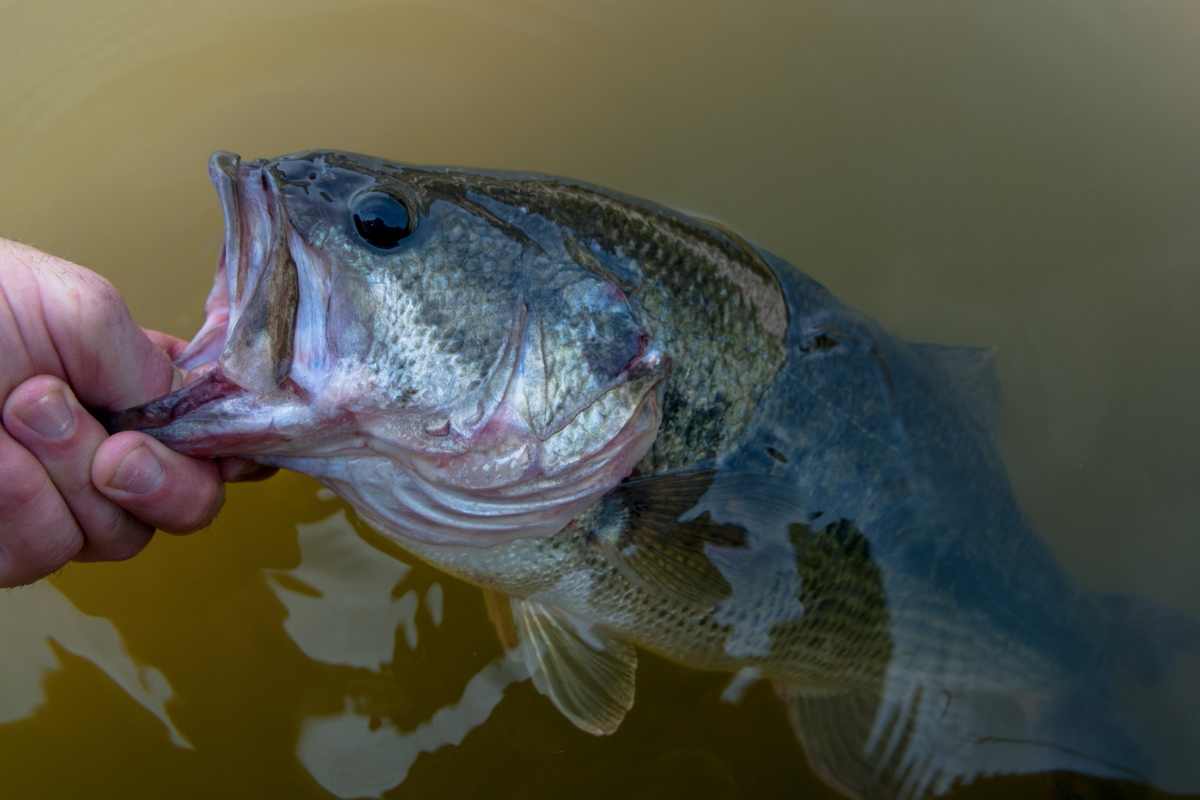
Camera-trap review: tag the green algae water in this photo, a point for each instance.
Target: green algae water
(1014, 174)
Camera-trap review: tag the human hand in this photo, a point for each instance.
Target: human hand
(68, 490)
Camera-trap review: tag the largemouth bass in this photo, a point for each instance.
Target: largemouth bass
(635, 429)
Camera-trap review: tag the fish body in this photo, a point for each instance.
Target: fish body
(637, 429)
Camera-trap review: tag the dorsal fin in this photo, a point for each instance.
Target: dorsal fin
(973, 372)
(585, 671)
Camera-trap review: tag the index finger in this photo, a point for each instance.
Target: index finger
(74, 324)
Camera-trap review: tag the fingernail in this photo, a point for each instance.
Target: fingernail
(138, 473)
(49, 416)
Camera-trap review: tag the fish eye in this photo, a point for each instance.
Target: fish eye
(380, 219)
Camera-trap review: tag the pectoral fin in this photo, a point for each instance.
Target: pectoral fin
(500, 613)
(691, 536)
(585, 671)
(643, 536)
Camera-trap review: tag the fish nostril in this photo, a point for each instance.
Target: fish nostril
(312, 176)
(265, 185)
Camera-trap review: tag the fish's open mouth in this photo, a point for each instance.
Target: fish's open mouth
(251, 314)
(243, 353)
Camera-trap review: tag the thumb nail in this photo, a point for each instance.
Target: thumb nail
(49, 416)
(138, 473)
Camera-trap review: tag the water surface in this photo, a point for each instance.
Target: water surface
(1023, 174)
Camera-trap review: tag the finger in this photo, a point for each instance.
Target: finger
(172, 345)
(168, 490)
(72, 323)
(43, 415)
(241, 470)
(38, 535)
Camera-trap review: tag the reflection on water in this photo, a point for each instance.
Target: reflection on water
(34, 616)
(353, 755)
(342, 611)
(339, 600)
(1021, 174)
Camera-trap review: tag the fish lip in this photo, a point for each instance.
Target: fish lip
(202, 418)
(162, 411)
(220, 308)
(228, 173)
(223, 174)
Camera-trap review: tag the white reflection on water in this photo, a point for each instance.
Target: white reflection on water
(341, 611)
(433, 603)
(339, 600)
(32, 616)
(349, 759)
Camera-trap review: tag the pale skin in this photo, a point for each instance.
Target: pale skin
(68, 490)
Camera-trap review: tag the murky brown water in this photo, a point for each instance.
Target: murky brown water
(1013, 173)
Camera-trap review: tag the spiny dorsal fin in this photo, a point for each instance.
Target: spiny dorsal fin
(973, 371)
(585, 671)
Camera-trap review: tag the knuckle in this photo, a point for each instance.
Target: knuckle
(113, 534)
(38, 551)
(99, 289)
(106, 525)
(22, 492)
(37, 537)
(53, 558)
(123, 538)
(23, 568)
(96, 298)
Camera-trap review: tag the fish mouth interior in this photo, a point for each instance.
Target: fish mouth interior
(244, 349)
(251, 311)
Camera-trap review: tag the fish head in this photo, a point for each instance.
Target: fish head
(397, 332)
